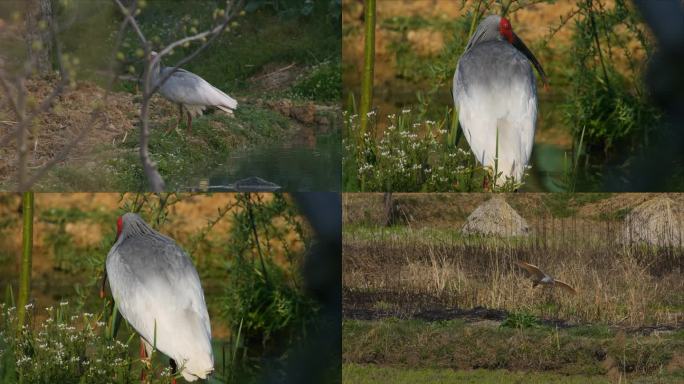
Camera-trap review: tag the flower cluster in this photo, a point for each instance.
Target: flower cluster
(409, 154)
(65, 347)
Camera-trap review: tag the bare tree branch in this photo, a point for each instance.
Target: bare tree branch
(61, 156)
(130, 18)
(24, 122)
(17, 96)
(150, 169)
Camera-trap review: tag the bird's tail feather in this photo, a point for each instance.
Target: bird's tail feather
(227, 101)
(226, 110)
(198, 360)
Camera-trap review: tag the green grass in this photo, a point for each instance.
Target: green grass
(183, 158)
(324, 83)
(453, 344)
(371, 374)
(256, 43)
(567, 204)
(259, 38)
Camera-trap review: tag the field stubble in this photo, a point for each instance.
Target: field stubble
(411, 268)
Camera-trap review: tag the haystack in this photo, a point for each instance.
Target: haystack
(657, 221)
(495, 218)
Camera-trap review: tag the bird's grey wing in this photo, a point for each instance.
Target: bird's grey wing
(159, 282)
(189, 88)
(532, 269)
(495, 92)
(565, 286)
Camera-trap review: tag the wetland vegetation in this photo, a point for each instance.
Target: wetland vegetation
(594, 119)
(423, 300)
(258, 311)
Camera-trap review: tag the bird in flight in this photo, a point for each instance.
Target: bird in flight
(540, 277)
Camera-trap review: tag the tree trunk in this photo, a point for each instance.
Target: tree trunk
(368, 65)
(39, 34)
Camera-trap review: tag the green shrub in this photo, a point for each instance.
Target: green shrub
(607, 109)
(323, 83)
(267, 304)
(264, 299)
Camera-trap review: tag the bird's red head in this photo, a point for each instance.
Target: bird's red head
(506, 30)
(119, 226)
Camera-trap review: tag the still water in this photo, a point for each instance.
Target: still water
(312, 166)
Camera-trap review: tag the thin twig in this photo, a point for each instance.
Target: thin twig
(154, 178)
(47, 104)
(256, 236)
(128, 14)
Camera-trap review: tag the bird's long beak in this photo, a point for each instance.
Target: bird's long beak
(518, 43)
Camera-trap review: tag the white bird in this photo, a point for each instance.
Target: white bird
(495, 93)
(539, 277)
(189, 91)
(157, 290)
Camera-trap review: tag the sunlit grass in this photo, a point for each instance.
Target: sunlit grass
(411, 154)
(371, 374)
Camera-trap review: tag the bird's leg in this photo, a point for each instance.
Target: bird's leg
(143, 353)
(189, 122)
(143, 357)
(180, 115)
(174, 369)
(180, 119)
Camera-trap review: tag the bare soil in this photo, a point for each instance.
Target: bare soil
(71, 113)
(530, 23)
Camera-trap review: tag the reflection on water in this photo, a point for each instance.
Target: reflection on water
(313, 165)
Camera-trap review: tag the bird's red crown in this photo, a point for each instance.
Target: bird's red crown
(506, 30)
(119, 226)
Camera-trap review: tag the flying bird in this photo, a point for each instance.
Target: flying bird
(495, 93)
(191, 92)
(539, 277)
(157, 290)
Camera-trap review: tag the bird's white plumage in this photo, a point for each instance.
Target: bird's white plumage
(191, 91)
(158, 292)
(509, 109)
(495, 93)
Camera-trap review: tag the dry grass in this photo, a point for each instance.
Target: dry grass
(415, 268)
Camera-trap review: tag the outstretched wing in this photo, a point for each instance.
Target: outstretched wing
(565, 286)
(532, 269)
